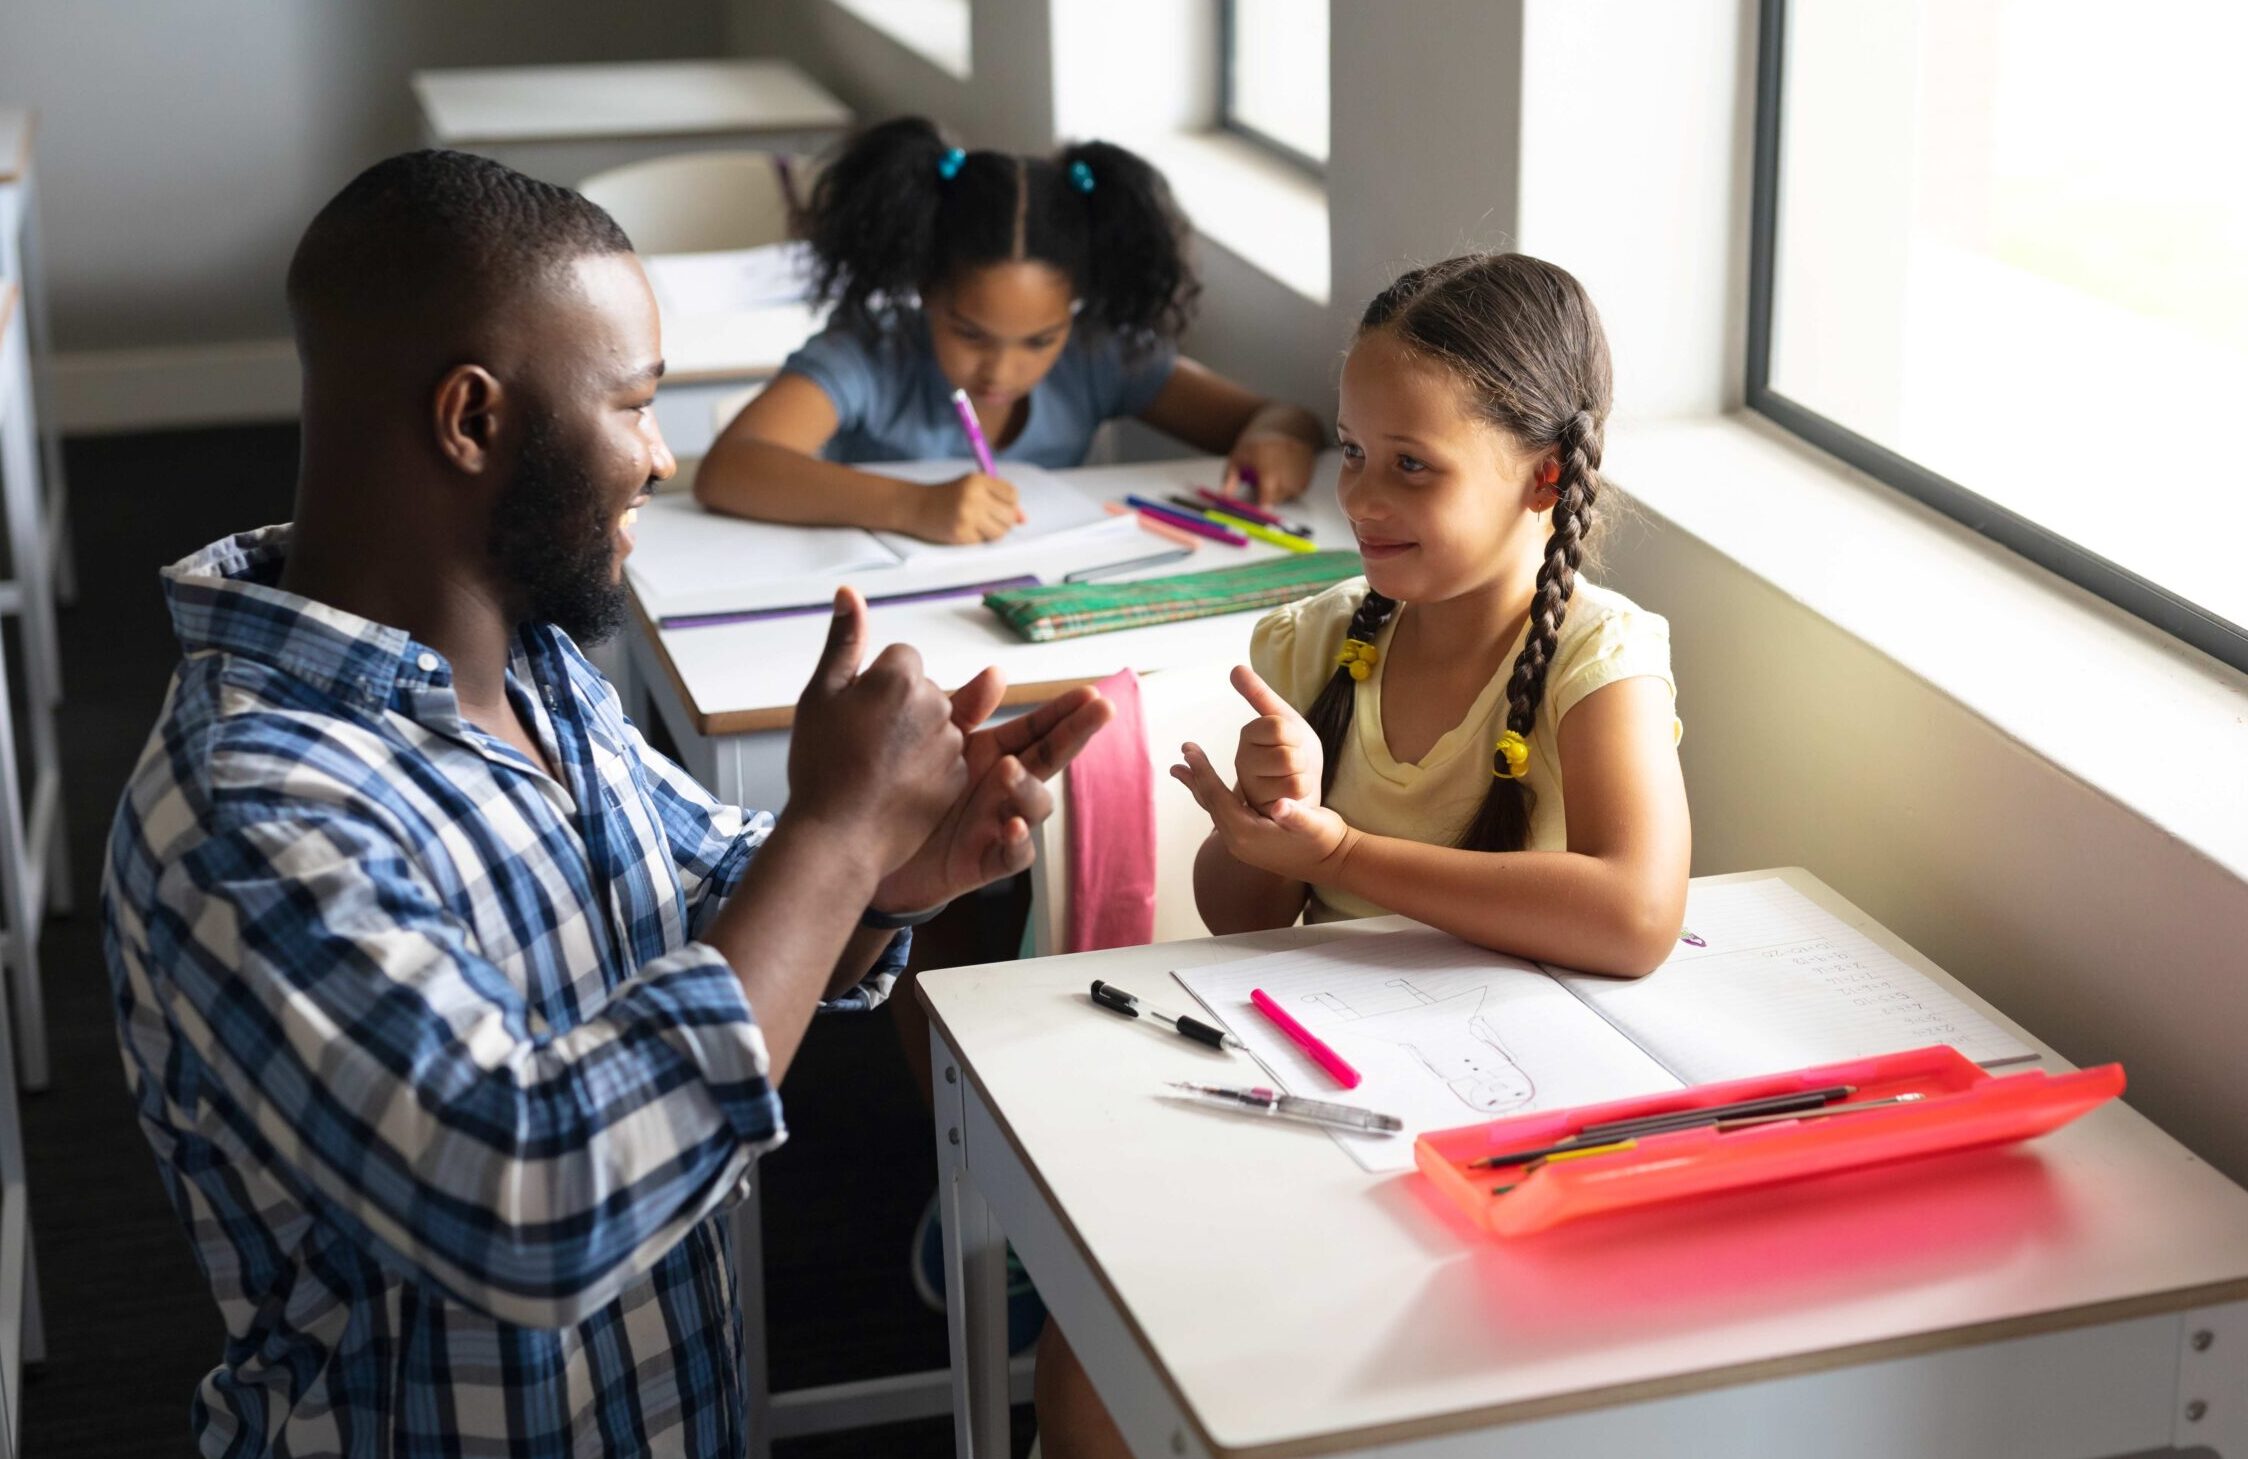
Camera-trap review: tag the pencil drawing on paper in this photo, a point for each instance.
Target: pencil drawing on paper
(1450, 1036)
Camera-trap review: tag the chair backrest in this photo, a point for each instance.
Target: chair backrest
(695, 202)
(1177, 705)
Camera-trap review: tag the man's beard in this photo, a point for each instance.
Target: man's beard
(552, 540)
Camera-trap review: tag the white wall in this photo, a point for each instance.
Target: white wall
(183, 147)
(1007, 102)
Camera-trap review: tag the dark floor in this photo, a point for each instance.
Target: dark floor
(131, 1326)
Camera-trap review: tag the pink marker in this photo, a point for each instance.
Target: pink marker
(1305, 1039)
(976, 441)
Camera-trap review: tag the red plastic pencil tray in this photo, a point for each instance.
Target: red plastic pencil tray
(1962, 1106)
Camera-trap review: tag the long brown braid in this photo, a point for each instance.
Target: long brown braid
(1329, 714)
(1523, 338)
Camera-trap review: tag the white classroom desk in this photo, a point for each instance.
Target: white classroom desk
(1240, 1288)
(564, 123)
(728, 693)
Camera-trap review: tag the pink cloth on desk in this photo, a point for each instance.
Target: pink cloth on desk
(1111, 790)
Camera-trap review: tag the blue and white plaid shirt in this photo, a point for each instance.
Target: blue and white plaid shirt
(442, 1089)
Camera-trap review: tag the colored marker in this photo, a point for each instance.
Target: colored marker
(1262, 533)
(1251, 510)
(1242, 524)
(1147, 523)
(1306, 1040)
(1200, 526)
(974, 428)
(976, 441)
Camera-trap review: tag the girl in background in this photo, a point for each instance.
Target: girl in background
(1052, 290)
(1470, 734)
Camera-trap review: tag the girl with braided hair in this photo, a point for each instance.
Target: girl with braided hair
(1052, 290)
(1416, 728)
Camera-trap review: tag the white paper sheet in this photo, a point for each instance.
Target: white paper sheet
(1782, 983)
(1445, 1034)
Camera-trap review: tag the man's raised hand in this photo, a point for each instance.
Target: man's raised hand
(874, 751)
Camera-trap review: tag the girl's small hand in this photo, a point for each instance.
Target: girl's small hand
(1268, 467)
(1302, 843)
(971, 508)
(1280, 757)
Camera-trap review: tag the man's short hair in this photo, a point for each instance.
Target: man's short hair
(437, 231)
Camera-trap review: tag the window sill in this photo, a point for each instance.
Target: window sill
(2129, 711)
(1252, 204)
(935, 30)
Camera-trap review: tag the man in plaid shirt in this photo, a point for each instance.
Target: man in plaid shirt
(456, 1015)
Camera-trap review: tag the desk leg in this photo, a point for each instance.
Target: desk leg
(975, 1273)
(2212, 1407)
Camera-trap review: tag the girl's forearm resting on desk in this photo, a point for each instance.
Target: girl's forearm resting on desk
(1585, 912)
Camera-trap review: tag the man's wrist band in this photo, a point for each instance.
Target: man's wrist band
(892, 921)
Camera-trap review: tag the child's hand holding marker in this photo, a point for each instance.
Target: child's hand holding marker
(1279, 757)
(972, 508)
(1268, 466)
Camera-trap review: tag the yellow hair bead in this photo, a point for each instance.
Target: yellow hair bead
(1512, 760)
(1358, 656)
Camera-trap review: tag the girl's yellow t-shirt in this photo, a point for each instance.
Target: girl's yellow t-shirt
(1604, 637)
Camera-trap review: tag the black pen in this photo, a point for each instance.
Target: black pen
(1116, 1000)
(1673, 1121)
(1709, 1114)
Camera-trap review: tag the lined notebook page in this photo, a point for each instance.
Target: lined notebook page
(1779, 984)
(1445, 1034)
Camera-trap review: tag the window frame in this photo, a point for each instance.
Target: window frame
(1232, 125)
(2141, 597)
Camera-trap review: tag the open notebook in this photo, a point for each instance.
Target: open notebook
(1450, 1034)
(689, 563)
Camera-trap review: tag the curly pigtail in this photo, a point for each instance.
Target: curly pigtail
(897, 209)
(1138, 276)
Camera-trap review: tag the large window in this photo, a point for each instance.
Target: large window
(1274, 69)
(2000, 260)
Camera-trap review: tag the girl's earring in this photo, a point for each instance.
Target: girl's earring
(1549, 482)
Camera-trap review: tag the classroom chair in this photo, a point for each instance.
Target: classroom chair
(20, 262)
(34, 851)
(695, 202)
(800, 173)
(1176, 705)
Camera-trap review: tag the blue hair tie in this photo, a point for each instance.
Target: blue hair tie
(1081, 176)
(949, 165)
